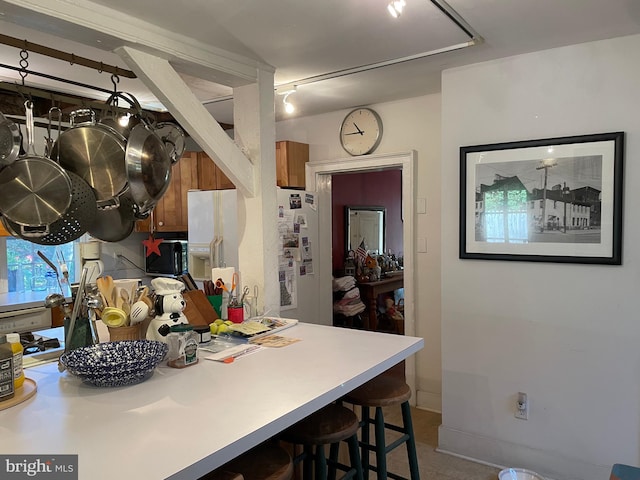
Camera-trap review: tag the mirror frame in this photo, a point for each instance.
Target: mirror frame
(348, 209)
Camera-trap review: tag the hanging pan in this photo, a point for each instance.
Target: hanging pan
(10, 141)
(114, 224)
(173, 138)
(35, 191)
(95, 152)
(148, 167)
(75, 221)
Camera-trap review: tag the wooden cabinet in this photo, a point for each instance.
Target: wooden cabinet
(196, 170)
(170, 214)
(291, 158)
(210, 177)
(3, 231)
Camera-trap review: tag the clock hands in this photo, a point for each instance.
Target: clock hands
(358, 132)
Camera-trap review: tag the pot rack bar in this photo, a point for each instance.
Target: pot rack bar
(68, 57)
(56, 97)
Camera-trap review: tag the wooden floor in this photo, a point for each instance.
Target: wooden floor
(433, 465)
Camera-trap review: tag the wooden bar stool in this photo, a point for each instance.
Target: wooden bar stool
(329, 426)
(267, 461)
(383, 391)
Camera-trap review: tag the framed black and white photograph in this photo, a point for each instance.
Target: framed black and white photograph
(548, 200)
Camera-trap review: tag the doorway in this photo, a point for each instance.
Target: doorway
(318, 179)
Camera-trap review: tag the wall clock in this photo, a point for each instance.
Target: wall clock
(361, 131)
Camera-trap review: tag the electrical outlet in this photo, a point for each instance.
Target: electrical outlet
(522, 406)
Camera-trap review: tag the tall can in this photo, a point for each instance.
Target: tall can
(13, 339)
(7, 389)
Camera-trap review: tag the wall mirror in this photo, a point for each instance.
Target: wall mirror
(366, 223)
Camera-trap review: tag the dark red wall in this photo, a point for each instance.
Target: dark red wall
(371, 189)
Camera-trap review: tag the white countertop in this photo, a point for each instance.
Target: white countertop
(183, 423)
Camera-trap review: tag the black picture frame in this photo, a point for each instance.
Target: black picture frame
(548, 200)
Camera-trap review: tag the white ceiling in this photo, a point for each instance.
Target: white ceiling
(302, 39)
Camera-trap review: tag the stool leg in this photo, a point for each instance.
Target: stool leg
(354, 456)
(321, 463)
(333, 460)
(364, 455)
(381, 449)
(411, 441)
(307, 463)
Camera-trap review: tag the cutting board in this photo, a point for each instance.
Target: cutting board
(198, 310)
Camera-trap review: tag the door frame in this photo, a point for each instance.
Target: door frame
(318, 180)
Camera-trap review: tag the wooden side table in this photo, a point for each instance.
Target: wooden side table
(369, 292)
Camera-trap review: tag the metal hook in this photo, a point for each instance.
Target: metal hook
(24, 63)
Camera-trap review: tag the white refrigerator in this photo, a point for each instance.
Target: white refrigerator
(297, 219)
(213, 231)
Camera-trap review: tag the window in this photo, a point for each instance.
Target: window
(26, 271)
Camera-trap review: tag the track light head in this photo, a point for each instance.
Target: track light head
(395, 8)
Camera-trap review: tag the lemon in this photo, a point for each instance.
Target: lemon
(213, 328)
(222, 328)
(228, 322)
(218, 321)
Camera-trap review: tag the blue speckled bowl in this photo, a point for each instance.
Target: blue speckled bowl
(115, 364)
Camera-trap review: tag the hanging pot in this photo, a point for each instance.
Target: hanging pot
(81, 215)
(173, 138)
(95, 152)
(35, 191)
(114, 224)
(148, 167)
(10, 141)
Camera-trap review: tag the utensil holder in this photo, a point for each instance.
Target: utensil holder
(236, 314)
(132, 332)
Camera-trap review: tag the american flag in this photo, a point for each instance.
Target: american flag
(361, 253)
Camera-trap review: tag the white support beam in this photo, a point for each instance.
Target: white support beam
(86, 22)
(165, 83)
(254, 125)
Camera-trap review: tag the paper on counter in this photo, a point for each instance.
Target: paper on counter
(275, 341)
(229, 354)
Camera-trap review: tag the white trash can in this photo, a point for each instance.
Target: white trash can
(518, 474)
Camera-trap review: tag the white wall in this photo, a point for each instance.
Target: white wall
(412, 124)
(565, 334)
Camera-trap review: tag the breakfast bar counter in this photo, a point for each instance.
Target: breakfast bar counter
(183, 423)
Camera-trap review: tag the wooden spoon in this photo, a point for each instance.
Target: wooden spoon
(124, 301)
(115, 298)
(103, 286)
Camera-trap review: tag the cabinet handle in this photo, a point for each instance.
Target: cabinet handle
(160, 224)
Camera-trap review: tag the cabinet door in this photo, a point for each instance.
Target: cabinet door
(171, 213)
(291, 158)
(210, 177)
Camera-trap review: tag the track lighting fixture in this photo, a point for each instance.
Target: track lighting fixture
(288, 106)
(395, 7)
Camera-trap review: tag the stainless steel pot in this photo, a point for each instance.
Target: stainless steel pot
(35, 190)
(96, 153)
(148, 167)
(81, 215)
(114, 224)
(173, 138)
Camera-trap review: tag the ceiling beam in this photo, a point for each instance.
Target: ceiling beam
(113, 29)
(168, 87)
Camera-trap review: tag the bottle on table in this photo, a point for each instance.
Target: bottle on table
(16, 347)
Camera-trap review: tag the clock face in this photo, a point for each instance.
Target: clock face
(361, 131)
